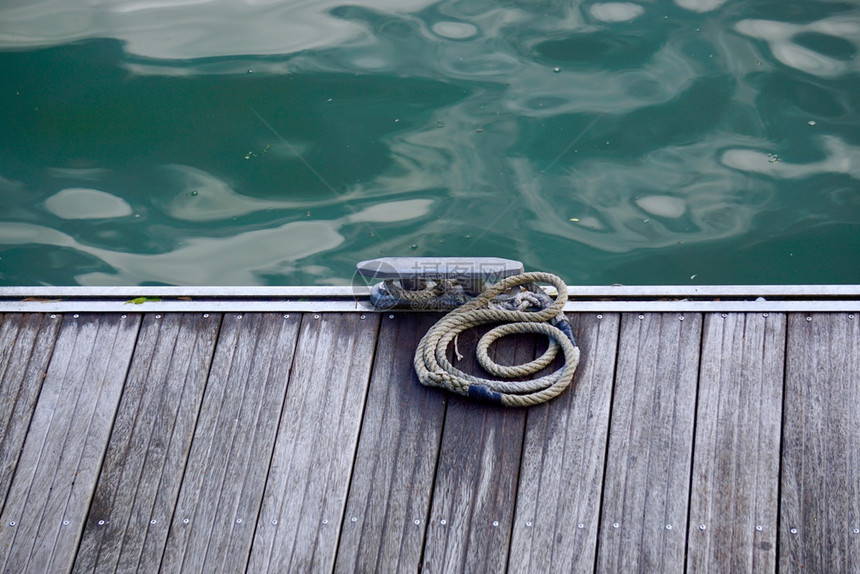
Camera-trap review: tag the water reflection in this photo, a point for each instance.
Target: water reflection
(223, 142)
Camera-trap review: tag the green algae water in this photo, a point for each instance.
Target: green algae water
(278, 142)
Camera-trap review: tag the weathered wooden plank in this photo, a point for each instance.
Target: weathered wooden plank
(26, 343)
(819, 528)
(213, 522)
(644, 515)
(305, 496)
(733, 506)
(561, 480)
(472, 512)
(389, 498)
(133, 503)
(60, 461)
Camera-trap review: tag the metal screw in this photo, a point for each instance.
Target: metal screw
(417, 522)
(641, 317)
(75, 315)
(809, 318)
(580, 525)
(849, 316)
(495, 522)
(759, 528)
(857, 531)
(65, 522)
(764, 314)
(205, 315)
(724, 315)
(158, 316)
(391, 316)
(702, 527)
(529, 523)
(615, 525)
(101, 522)
(325, 521)
(12, 523)
(316, 316)
(153, 521)
(600, 316)
(353, 519)
(239, 521)
(668, 527)
(238, 316)
(286, 316)
(123, 316)
(54, 316)
(443, 522)
(680, 317)
(274, 522)
(362, 316)
(793, 530)
(185, 521)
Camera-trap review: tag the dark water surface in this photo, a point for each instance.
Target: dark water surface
(268, 142)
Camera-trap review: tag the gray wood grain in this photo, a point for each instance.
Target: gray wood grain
(213, 523)
(389, 497)
(26, 343)
(819, 528)
(472, 511)
(305, 496)
(733, 507)
(561, 480)
(149, 445)
(646, 490)
(61, 457)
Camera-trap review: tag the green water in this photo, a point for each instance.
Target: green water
(277, 143)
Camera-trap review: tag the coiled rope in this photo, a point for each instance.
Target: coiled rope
(434, 368)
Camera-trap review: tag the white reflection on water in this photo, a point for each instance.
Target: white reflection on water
(83, 203)
(616, 11)
(678, 193)
(237, 259)
(780, 37)
(186, 29)
(840, 158)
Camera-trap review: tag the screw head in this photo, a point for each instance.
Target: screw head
(101, 522)
(641, 317)
(325, 521)
(205, 315)
(443, 522)
(416, 522)
(764, 314)
(495, 522)
(702, 527)
(529, 523)
(668, 527)
(65, 522)
(287, 316)
(759, 528)
(615, 525)
(580, 525)
(793, 530)
(185, 521)
(353, 519)
(809, 318)
(153, 521)
(316, 316)
(239, 521)
(12, 523)
(600, 316)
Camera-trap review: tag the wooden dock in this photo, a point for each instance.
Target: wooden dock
(302, 442)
